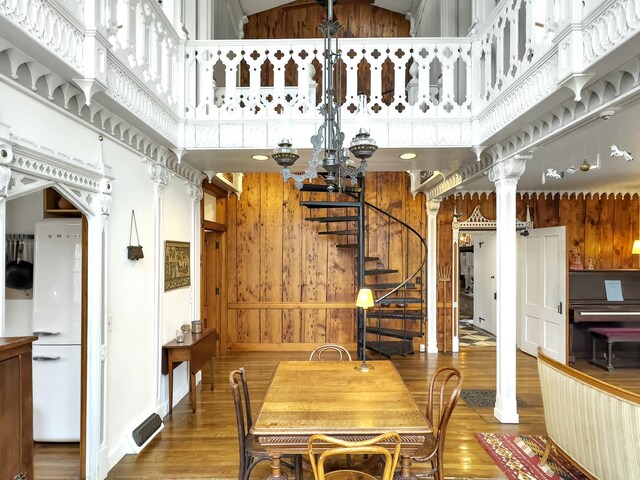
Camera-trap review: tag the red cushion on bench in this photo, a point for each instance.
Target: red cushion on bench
(615, 331)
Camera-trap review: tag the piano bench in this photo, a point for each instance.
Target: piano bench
(611, 336)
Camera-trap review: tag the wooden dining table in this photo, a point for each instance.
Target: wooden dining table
(336, 399)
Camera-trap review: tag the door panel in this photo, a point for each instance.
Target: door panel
(543, 285)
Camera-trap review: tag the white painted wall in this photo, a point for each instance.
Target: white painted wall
(131, 391)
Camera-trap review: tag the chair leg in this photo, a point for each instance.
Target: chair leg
(547, 452)
(297, 461)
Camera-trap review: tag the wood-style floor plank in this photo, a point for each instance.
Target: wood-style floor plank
(204, 445)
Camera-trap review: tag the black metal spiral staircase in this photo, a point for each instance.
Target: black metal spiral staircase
(400, 308)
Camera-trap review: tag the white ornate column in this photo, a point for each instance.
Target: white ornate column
(97, 232)
(433, 206)
(6, 155)
(195, 193)
(160, 176)
(505, 175)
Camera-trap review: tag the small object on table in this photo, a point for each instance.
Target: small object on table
(179, 336)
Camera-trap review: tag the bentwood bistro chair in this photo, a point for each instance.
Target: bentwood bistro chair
(251, 452)
(333, 349)
(444, 392)
(373, 446)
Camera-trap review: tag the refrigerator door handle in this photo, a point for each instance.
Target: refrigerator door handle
(45, 334)
(43, 358)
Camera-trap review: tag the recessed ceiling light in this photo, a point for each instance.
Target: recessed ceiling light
(408, 156)
(260, 157)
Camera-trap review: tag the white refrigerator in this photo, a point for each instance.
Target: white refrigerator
(57, 294)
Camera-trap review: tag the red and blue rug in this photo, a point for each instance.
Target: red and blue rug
(518, 456)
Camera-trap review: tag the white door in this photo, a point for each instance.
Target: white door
(543, 275)
(484, 281)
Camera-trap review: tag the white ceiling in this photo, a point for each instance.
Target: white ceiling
(614, 174)
(249, 7)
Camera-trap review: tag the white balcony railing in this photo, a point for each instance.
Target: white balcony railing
(154, 72)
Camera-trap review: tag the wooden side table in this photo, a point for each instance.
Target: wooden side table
(197, 349)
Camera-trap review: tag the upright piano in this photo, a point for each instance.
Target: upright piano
(592, 304)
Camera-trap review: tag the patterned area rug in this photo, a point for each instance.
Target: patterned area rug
(518, 456)
(484, 398)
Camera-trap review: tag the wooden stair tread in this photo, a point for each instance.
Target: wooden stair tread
(314, 187)
(390, 348)
(346, 218)
(394, 332)
(339, 232)
(396, 314)
(389, 286)
(380, 271)
(400, 301)
(328, 204)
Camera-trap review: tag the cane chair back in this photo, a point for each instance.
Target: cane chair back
(444, 392)
(387, 446)
(250, 451)
(331, 348)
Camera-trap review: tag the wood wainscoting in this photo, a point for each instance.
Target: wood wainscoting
(288, 287)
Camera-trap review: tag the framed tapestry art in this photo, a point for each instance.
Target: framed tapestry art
(177, 271)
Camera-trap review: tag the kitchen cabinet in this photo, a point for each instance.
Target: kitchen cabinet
(55, 205)
(16, 409)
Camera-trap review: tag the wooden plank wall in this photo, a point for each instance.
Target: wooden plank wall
(359, 21)
(600, 227)
(290, 288)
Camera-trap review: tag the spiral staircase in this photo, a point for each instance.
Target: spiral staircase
(399, 314)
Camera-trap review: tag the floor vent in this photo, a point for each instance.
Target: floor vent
(143, 433)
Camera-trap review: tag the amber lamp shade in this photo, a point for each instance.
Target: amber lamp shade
(635, 250)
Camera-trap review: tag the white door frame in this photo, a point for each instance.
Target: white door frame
(475, 223)
(26, 169)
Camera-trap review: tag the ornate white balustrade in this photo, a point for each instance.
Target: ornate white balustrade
(145, 41)
(421, 91)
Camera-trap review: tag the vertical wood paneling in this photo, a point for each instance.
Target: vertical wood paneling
(291, 263)
(271, 252)
(624, 234)
(274, 255)
(232, 270)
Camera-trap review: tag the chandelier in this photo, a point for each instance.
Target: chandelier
(329, 152)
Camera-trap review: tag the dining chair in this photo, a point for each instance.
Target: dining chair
(330, 347)
(379, 445)
(444, 391)
(251, 452)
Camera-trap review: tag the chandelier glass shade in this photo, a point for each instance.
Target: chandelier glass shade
(329, 152)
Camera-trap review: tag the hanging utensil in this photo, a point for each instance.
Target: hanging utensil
(19, 273)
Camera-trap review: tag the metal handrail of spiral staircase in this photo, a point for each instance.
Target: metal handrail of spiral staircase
(423, 250)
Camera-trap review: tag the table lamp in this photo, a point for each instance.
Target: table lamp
(364, 301)
(635, 250)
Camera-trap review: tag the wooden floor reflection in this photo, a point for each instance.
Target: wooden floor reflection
(204, 445)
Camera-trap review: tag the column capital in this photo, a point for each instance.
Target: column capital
(195, 192)
(158, 174)
(509, 169)
(5, 178)
(433, 206)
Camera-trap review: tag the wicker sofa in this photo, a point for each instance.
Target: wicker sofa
(594, 424)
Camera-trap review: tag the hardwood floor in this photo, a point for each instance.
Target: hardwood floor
(204, 445)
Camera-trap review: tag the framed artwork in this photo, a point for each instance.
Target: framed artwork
(177, 272)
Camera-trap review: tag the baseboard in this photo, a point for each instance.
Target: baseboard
(118, 453)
